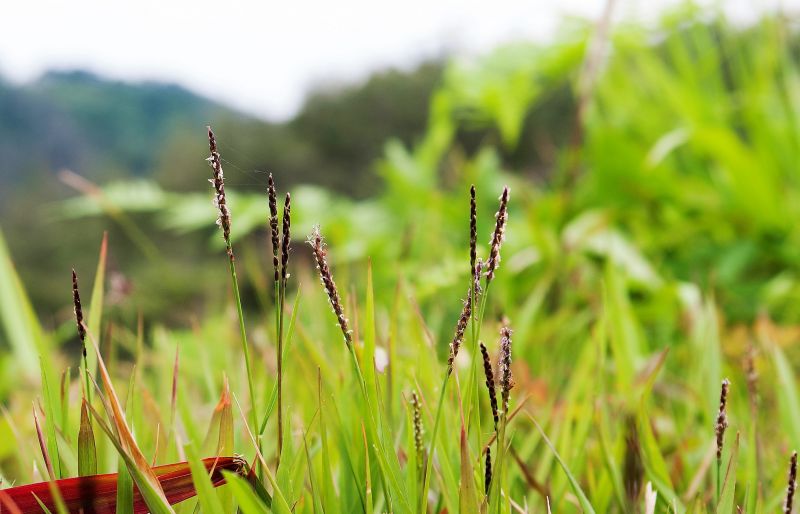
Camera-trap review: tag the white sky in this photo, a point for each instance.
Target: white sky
(263, 56)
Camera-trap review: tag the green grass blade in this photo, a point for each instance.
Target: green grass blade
(206, 495)
(96, 302)
(583, 500)
(87, 449)
(246, 498)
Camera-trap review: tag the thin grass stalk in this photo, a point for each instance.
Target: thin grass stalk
(429, 464)
(473, 395)
(272, 200)
(224, 221)
(284, 275)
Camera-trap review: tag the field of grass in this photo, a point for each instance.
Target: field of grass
(655, 267)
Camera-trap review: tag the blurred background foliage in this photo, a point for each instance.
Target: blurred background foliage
(671, 149)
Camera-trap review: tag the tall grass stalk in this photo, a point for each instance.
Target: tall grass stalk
(224, 222)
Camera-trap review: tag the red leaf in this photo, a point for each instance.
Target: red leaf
(97, 494)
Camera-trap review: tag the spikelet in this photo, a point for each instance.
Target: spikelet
(506, 380)
(722, 417)
(497, 236)
(792, 485)
(76, 302)
(220, 202)
(461, 326)
(418, 431)
(476, 279)
(490, 384)
(318, 248)
(272, 198)
(473, 229)
(287, 222)
(487, 477)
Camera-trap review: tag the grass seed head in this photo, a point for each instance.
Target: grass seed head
(218, 181)
(418, 430)
(490, 384)
(272, 198)
(287, 222)
(318, 248)
(473, 229)
(487, 477)
(461, 327)
(722, 417)
(792, 484)
(476, 278)
(497, 236)
(506, 380)
(76, 302)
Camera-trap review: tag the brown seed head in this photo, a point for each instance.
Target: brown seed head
(418, 430)
(473, 229)
(272, 198)
(722, 417)
(76, 302)
(487, 479)
(506, 380)
(218, 181)
(792, 485)
(490, 384)
(476, 278)
(318, 248)
(461, 327)
(497, 236)
(287, 223)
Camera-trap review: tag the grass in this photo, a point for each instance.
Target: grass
(633, 289)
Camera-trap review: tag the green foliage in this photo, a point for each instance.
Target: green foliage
(658, 253)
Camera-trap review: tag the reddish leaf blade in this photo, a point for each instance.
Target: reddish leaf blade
(97, 494)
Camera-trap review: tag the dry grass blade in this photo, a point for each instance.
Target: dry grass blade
(125, 437)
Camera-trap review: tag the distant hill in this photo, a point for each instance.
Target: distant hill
(106, 129)
(78, 120)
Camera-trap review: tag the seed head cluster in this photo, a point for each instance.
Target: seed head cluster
(506, 380)
(490, 384)
(497, 236)
(722, 417)
(286, 238)
(461, 327)
(218, 181)
(272, 199)
(487, 477)
(76, 301)
(792, 485)
(473, 229)
(318, 248)
(418, 430)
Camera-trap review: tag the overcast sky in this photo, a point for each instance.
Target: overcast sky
(263, 56)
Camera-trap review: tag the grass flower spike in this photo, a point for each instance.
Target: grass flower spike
(461, 327)
(490, 384)
(272, 199)
(220, 202)
(318, 248)
(791, 487)
(506, 379)
(497, 236)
